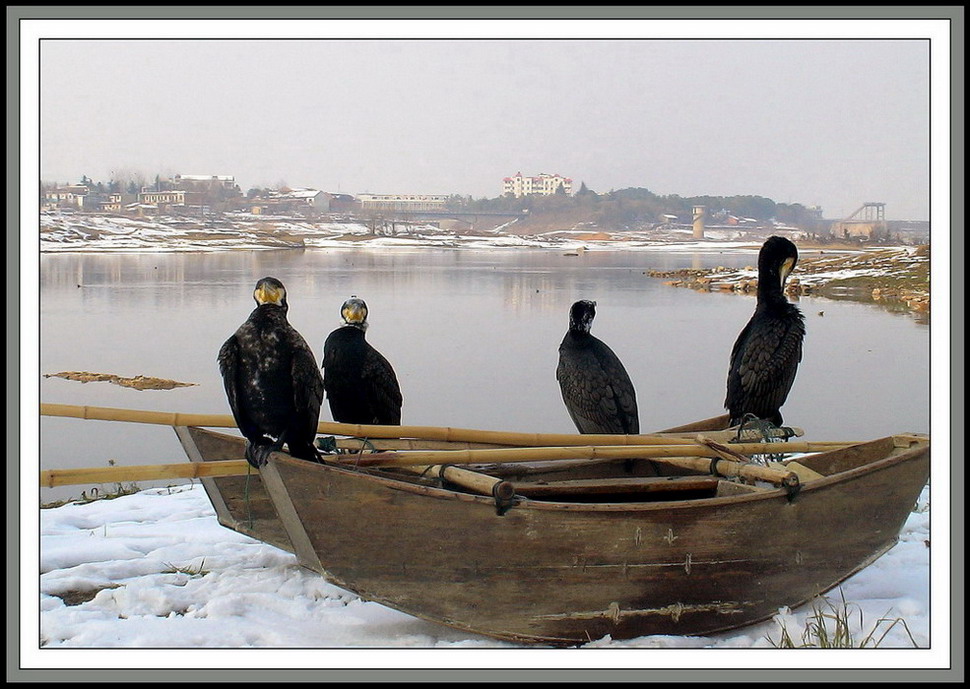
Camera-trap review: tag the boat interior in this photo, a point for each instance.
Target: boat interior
(619, 480)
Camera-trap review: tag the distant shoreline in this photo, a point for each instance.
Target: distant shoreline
(891, 274)
(84, 232)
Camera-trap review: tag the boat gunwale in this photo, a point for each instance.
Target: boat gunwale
(523, 502)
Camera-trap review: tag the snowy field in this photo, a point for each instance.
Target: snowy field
(78, 232)
(155, 570)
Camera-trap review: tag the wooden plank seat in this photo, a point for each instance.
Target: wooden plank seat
(616, 486)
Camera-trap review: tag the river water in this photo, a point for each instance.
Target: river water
(472, 334)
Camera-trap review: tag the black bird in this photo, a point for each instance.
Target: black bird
(360, 383)
(272, 381)
(595, 387)
(766, 355)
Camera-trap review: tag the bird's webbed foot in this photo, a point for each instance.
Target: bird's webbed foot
(305, 451)
(257, 454)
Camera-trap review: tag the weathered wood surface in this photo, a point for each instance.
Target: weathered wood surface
(564, 573)
(567, 572)
(242, 503)
(595, 488)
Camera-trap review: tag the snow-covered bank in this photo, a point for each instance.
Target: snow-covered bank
(155, 570)
(880, 273)
(87, 232)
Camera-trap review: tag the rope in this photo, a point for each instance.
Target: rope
(764, 428)
(328, 446)
(249, 507)
(441, 472)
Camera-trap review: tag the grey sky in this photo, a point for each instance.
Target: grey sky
(833, 123)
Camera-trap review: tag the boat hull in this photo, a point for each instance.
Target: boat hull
(565, 573)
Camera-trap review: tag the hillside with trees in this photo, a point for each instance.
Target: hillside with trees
(637, 208)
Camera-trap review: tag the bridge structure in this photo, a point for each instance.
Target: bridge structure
(868, 220)
(465, 220)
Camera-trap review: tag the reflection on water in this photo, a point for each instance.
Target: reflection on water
(473, 336)
(893, 305)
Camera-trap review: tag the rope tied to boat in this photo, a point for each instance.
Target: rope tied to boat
(792, 485)
(249, 507)
(441, 471)
(504, 494)
(767, 433)
(328, 446)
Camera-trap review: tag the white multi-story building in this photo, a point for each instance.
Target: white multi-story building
(542, 184)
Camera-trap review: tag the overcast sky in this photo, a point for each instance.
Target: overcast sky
(833, 123)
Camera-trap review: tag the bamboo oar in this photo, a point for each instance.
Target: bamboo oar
(365, 431)
(143, 472)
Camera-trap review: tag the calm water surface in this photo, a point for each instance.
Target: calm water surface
(472, 334)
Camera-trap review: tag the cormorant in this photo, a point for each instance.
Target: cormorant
(272, 381)
(766, 355)
(360, 383)
(595, 387)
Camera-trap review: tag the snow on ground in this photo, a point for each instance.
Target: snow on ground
(155, 570)
(65, 231)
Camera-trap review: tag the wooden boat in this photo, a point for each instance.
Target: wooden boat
(243, 504)
(566, 552)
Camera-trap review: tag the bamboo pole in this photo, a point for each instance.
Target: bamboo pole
(541, 454)
(693, 456)
(365, 431)
(478, 482)
(138, 416)
(472, 480)
(699, 459)
(143, 472)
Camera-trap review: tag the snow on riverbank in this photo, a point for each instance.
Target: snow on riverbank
(882, 267)
(155, 570)
(87, 232)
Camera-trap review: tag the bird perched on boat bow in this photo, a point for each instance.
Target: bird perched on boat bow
(595, 386)
(272, 380)
(766, 354)
(360, 383)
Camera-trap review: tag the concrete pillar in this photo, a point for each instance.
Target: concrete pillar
(699, 212)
